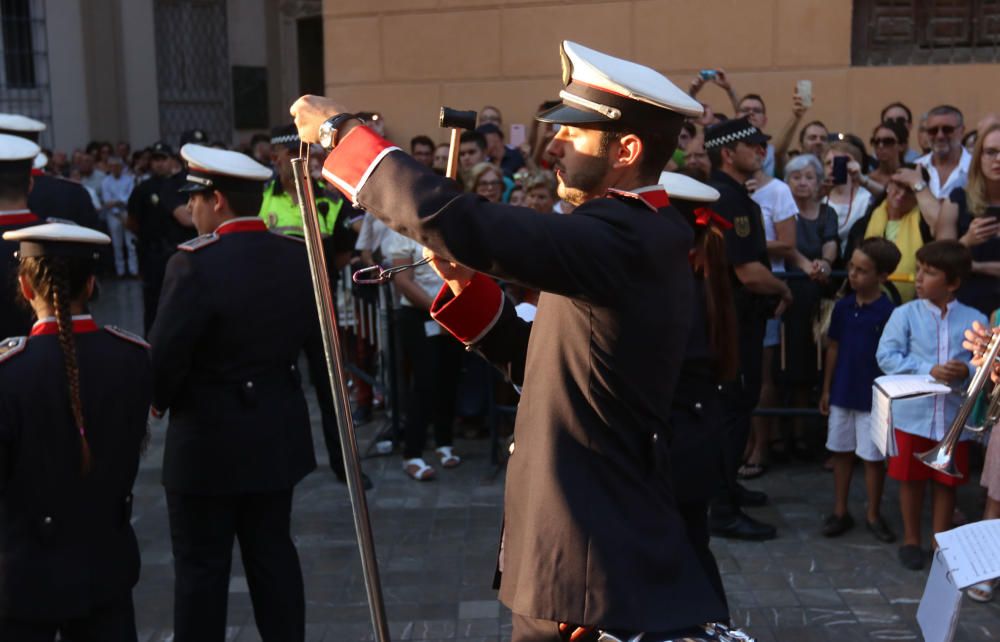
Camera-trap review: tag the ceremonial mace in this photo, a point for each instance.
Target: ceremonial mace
(338, 384)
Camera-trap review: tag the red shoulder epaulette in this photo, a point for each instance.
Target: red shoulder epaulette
(126, 335)
(199, 242)
(12, 346)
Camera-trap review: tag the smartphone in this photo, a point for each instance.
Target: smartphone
(708, 74)
(517, 136)
(804, 89)
(993, 211)
(840, 169)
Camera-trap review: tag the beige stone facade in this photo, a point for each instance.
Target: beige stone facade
(406, 58)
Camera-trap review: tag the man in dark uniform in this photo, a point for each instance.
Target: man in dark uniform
(52, 196)
(16, 156)
(592, 537)
(239, 438)
(736, 149)
(158, 217)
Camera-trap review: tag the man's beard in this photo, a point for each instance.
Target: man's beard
(581, 184)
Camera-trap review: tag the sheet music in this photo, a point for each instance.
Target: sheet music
(937, 614)
(881, 422)
(910, 386)
(972, 552)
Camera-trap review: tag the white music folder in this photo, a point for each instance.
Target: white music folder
(966, 555)
(888, 388)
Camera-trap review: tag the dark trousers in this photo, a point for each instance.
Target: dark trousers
(527, 629)
(695, 516)
(430, 389)
(320, 378)
(202, 529)
(739, 399)
(113, 623)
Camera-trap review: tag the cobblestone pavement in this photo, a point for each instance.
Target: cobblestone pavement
(437, 541)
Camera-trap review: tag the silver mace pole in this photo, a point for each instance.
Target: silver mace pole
(335, 369)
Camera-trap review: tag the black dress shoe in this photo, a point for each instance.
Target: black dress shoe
(911, 557)
(880, 530)
(742, 526)
(837, 525)
(366, 482)
(746, 497)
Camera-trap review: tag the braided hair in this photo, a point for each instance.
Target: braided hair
(61, 281)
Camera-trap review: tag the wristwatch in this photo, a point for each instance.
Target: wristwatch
(918, 187)
(328, 130)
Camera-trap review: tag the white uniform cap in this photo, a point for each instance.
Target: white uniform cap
(601, 90)
(19, 123)
(40, 161)
(57, 239)
(16, 148)
(687, 188)
(210, 168)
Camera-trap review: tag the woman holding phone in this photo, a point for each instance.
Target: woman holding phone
(842, 168)
(972, 215)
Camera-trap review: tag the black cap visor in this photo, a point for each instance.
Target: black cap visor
(563, 114)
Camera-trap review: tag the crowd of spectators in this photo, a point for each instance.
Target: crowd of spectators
(823, 194)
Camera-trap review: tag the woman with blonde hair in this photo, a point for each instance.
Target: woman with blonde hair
(972, 215)
(486, 180)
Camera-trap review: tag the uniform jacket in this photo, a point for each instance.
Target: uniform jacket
(66, 543)
(15, 318)
(56, 197)
(592, 535)
(236, 311)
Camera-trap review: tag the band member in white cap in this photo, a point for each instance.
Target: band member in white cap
(51, 196)
(74, 399)
(239, 437)
(593, 539)
(16, 157)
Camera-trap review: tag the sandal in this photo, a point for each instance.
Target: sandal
(418, 469)
(981, 592)
(448, 458)
(750, 470)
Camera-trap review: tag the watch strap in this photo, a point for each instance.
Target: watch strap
(335, 123)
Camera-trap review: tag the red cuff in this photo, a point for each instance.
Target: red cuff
(352, 161)
(471, 314)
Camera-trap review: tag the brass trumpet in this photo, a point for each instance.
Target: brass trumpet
(942, 456)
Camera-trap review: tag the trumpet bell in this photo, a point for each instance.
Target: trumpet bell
(941, 458)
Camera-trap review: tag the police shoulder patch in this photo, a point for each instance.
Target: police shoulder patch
(126, 335)
(742, 226)
(199, 242)
(12, 346)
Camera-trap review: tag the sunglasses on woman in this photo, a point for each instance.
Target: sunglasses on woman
(884, 142)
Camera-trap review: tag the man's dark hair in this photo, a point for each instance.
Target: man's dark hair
(243, 203)
(490, 128)
(814, 123)
(947, 110)
(689, 127)
(883, 253)
(951, 257)
(421, 140)
(885, 110)
(715, 154)
(753, 97)
(657, 148)
(473, 137)
(15, 179)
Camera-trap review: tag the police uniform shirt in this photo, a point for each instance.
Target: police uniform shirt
(745, 241)
(66, 543)
(592, 535)
(236, 310)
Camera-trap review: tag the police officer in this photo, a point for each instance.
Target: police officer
(74, 400)
(592, 536)
(157, 215)
(51, 196)
(737, 149)
(16, 157)
(239, 437)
